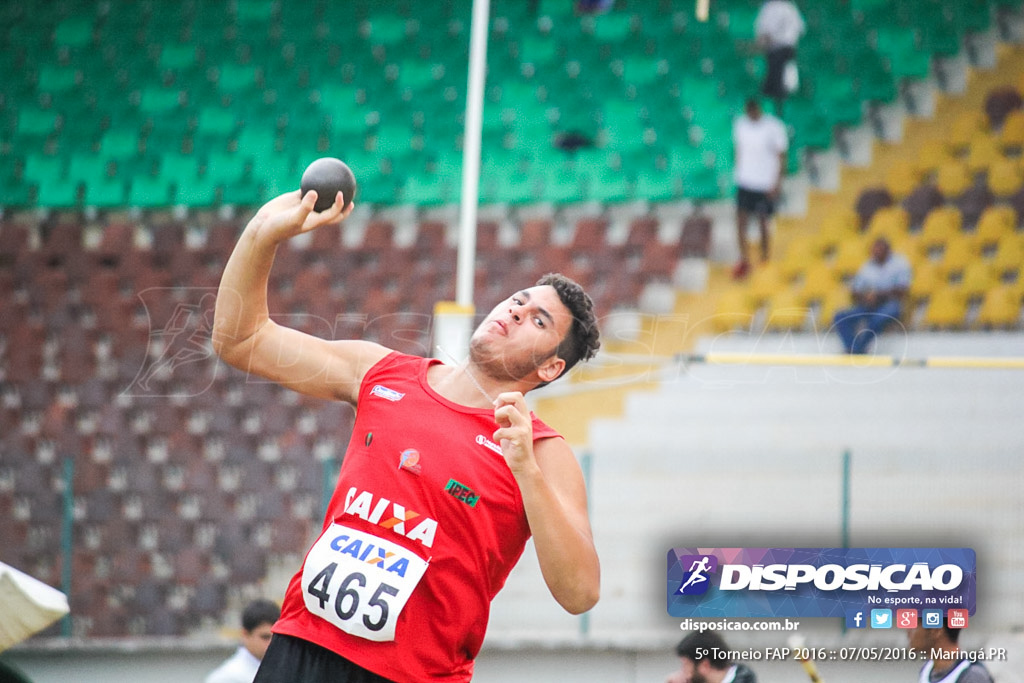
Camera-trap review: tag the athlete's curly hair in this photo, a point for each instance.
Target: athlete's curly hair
(583, 339)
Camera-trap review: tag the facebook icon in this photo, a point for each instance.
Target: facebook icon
(856, 619)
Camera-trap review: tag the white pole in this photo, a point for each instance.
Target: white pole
(471, 154)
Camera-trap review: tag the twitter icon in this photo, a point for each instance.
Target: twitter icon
(881, 618)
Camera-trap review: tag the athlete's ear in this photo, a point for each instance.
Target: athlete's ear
(550, 369)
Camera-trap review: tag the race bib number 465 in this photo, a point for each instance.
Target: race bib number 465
(359, 582)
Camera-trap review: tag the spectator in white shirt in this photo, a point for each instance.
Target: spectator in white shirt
(777, 29)
(258, 618)
(878, 290)
(760, 143)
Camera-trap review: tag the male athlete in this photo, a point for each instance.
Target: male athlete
(446, 476)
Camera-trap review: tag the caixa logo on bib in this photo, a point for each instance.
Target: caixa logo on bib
(817, 582)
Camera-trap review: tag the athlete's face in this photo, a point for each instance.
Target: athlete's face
(521, 335)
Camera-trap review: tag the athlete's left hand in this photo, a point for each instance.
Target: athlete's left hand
(515, 431)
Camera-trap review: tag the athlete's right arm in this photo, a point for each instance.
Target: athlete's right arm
(245, 337)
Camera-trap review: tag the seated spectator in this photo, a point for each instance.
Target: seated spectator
(878, 291)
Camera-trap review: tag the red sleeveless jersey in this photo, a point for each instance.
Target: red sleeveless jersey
(423, 490)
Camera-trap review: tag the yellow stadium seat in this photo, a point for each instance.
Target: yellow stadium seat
(765, 282)
(786, 311)
(1009, 254)
(850, 255)
(910, 247)
(1005, 177)
(902, 177)
(833, 303)
(946, 309)
(889, 222)
(734, 309)
(995, 221)
(977, 278)
(818, 282)
(1012, 134)
(940, 225)
(959, 252)
(1000, 308)
(953, 178)
(964, 128)
(801, 253)
(926, 279)
(933, 154)
(984, 151)
(837, 227)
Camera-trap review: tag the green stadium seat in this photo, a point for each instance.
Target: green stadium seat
(224, 168)
(425, 189)
(34, 121)
(104, 192)
(608, 185)
(58, 79)
(75, 31)
(177, 56)
(87, 167)
(254, 11)
(150, 192)
(119, 143)
(44, 168)
(199, 192)
(508, 188)
(385, 30)
(613, 27)
(57, 193)
(902, 46)
(656, 185)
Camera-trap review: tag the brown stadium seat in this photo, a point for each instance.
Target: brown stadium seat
(999, 103)
(590, 235)
(117, 241)
(973, 202)
(871, 200)
(642, 230)
(696, 236)
(535, 233)
(379, 236)
(430, 237)
(921, 201)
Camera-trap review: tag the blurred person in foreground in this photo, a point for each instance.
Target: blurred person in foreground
(704, 658)
(258, 618)
(947, 663)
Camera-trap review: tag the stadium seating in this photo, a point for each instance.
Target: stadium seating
(247, 106)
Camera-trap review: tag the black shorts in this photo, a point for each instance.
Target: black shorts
(752, 201)
(777, 59)
(293, 660)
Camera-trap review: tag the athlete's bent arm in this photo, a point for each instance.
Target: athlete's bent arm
(245, 337)
(555, 498)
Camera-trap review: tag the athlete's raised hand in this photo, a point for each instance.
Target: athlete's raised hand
(291, 214)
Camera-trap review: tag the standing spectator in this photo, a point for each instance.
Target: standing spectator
(704, 658)
(878, 290)
(777, 29)
(257, 619)
(760, 144)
